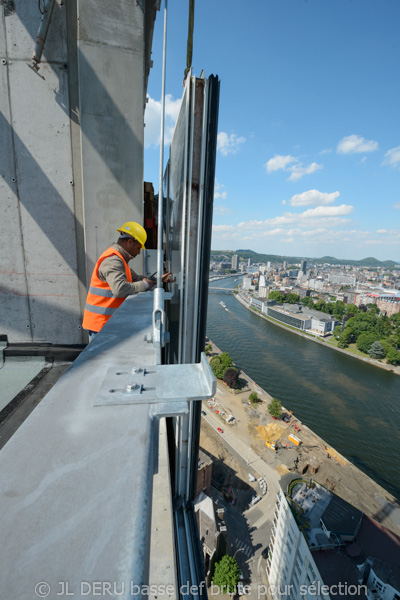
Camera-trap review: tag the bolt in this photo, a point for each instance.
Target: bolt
(131, 387)
(3, 61)
(136, 370)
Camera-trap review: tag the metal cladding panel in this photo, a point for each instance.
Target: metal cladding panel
(175, 227)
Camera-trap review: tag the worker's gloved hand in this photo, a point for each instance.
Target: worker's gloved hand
(167, 278)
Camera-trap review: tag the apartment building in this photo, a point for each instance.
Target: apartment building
(323, 548)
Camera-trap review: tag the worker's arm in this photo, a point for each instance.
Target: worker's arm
(112, 270)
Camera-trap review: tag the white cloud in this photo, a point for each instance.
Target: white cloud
(355, 144)
(381, 231)
(321, 216)
(313, 198)
(279, 162)
(222, 210)
(229, 144)
(218, 191)
(392, 157)
(298, 171)
(224, 228)
(326, 151)
(152, 118)
(291, 165)
(397, 205)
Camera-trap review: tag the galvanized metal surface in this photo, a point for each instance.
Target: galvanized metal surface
(75, 480)
(140, 384)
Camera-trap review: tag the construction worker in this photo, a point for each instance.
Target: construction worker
(112, 279)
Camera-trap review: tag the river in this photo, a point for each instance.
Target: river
(353, 406)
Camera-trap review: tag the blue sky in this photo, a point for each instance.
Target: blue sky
(308, 160)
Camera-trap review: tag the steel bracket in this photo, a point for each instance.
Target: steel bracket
(163, 384)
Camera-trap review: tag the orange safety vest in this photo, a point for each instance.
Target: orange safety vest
(101, 304)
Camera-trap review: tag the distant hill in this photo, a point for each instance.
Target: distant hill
(244, 254)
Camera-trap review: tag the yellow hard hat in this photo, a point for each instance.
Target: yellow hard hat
(134, 230)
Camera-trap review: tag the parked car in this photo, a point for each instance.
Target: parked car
(220, 430)
(285, 417)
(264, 553)
(203, 412)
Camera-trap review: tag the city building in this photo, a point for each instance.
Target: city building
(321, 547)
(303, 266)
(247, 282)
(300, 317)
(342, 278)
(234, 264)
(204, 473)
(212, 532)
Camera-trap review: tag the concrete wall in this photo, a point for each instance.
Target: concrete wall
(71, 156)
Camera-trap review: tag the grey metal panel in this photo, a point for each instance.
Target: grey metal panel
(75, 479)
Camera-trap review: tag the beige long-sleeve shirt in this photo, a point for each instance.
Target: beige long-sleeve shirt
(112, 270)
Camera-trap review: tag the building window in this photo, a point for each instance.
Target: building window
(379, 585)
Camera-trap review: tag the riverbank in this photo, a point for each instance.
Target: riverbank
(314, 457)
(371, 361)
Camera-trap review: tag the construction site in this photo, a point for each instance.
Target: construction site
(290, 448)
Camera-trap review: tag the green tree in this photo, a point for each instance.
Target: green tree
(376, 350)
(393, 357)
(275, 408)
(383, 326)
(226, 574)
(275, 295)
(346, 337)
(320, 305)
(225, 359)
(373, 308)
(292, 298)
(387, 344)
(219, 364)
(208, 349)
(396, 319)
(338, 309)
(254, 399)
(337, 331)
(217, 368)
(307, 301)
(395, 339)
(231, 378)
(365, 341)
(352, 309)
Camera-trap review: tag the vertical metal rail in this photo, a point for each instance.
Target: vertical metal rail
(184, 237)
(160, 180)
(199, 253)
(187, 353)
